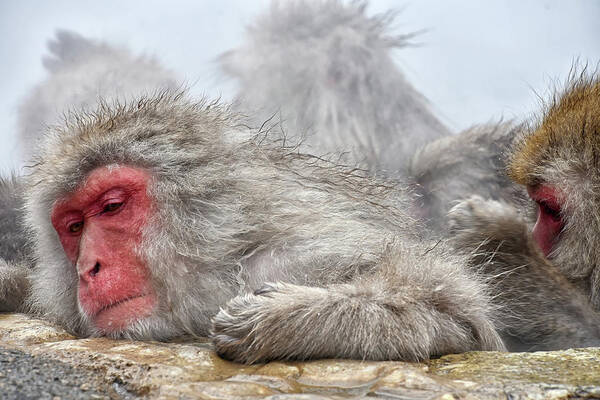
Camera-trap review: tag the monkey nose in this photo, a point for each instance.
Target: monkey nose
(90, 273)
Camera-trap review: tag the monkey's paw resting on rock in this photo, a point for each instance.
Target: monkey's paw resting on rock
(375, 317)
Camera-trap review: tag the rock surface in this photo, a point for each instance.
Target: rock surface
(189, 369)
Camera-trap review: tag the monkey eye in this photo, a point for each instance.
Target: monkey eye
(110, 207)
(552, 212)
(76, 227)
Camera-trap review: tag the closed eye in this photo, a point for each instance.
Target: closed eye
(111, 207)
(553, 212)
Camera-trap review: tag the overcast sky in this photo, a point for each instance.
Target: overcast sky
(477, 60)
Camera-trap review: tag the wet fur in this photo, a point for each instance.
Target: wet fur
(551, 303)
(237, 208)
(16, 259)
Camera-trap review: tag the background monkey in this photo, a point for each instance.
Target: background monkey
(147, 218)
(326, 70)
(472, 162)
(80, 72)
(548, 278)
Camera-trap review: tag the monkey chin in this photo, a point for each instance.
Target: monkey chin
(114, 319)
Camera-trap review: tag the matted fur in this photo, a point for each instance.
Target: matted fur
(326, 69)
(236, 208)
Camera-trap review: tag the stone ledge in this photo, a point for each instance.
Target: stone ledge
(191, 370)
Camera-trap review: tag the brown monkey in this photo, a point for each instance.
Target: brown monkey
(149, 218)
(549, 279)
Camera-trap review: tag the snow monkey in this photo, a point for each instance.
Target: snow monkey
(550, 277)
(167, 217)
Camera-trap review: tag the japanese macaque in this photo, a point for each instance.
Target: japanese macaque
(153, 219)
(548, 278)
(327, 70)
(80, 72)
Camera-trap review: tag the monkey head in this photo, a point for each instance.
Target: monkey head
(559, 163)
(99, 226)
(119, 203)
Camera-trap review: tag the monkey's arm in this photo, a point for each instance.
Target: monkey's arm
(409, 308)
(14, 286)
(541, 309)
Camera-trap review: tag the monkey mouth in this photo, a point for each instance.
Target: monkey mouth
(121, 314)
(118, 303)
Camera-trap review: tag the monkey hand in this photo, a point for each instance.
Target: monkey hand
(480, 225)
(375, 319)
(254, 327)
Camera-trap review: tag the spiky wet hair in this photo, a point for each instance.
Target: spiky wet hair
(562, 150)
(81, 70)
(570, 122)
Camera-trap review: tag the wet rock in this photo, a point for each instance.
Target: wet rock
(189, 369)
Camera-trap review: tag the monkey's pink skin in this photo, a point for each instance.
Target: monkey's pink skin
(99, 226)
(549, 222)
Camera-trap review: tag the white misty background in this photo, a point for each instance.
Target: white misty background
(476, 61)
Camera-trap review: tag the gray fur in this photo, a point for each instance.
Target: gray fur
(15, 250)
(238, 208)
(549, 302)
(454, 167)
(80, 72)
(326, 69)
(571, 163)
(542, 310)
(14, 246)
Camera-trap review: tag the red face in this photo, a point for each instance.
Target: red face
(549, 222)
(99, 227)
